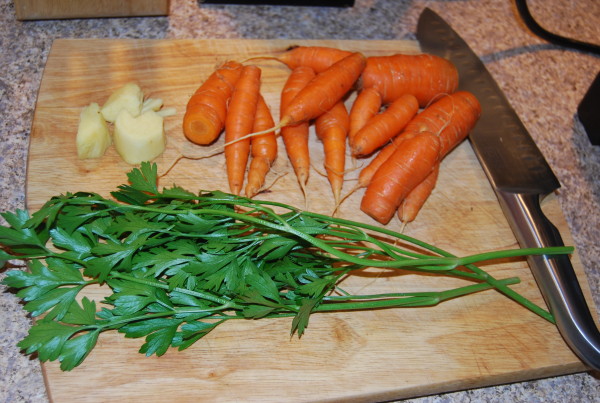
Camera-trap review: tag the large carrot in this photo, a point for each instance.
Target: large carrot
(408, 166)
(451, 117)
(295, 137)
(366, 105)
(263, 149)
(425, 76)
(239, 122)
(385, 125)
(414, 201)
(205, 113)
(332, 128)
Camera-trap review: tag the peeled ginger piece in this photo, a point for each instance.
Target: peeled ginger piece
(129, 97)
(93, 137)
(140, 138)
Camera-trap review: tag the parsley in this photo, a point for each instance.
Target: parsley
(179, 264)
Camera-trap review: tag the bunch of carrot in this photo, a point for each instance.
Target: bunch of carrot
(407, 115)
(230, 100)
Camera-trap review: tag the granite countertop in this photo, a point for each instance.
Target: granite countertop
(543, 82)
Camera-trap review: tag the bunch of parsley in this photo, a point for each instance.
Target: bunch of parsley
(179, 264)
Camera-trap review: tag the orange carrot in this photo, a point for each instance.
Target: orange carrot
(263, 148)
(449, 120)
(413, 202)
(332, 128)
(367, 173)
(295, 137)
(425, 76)
(451, 117)
(366, 105)
(239, 122)
(385, 125)
(324, 91)
(204, 117)
(408, 166)
(318, 58)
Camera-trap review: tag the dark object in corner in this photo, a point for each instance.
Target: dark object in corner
(589, 111)
(321, 3)
(550, 36)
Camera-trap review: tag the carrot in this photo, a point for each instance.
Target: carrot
(367, 173)
(425, 76)
(366, 105)
(332, 128)
(385, 125)
(413, 202)
(263, 149)
(449, 120)
(324, 91)
(239, 122)
(318, 58)
(295, 137)
(451, 117)
(206, 109)
(408, 166)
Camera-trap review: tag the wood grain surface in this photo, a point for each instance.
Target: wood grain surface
(54, 9)
(480, 340)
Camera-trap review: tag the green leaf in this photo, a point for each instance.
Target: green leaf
(191, 332)
(76, 349)
(84, 314)
(256, 311)
(75, 242)
(300, 321)
(317, 287)
(276, 248)
(47, 338)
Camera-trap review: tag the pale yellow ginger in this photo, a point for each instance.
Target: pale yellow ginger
(140, 138)
(93, 137)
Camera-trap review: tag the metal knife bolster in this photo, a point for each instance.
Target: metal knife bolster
(555, 276)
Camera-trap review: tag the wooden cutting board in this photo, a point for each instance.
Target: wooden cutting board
(475, 341)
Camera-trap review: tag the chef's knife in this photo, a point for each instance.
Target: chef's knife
(520, 177)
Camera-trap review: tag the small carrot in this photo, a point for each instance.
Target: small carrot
(295, 137)
(408, 166)
(451, 117)
(239, 122)
(318, 58)
(385, 125)
(366, 105)
(425, 76)
(332, 128)
(206, 109)
(263, 148)
(414, 201)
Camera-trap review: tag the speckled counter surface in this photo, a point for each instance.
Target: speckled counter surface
(543, 82)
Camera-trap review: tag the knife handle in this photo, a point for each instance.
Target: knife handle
(555, 275)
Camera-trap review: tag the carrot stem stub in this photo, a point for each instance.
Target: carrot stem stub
(408, 166)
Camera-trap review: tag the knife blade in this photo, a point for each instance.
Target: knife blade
(521, 178)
